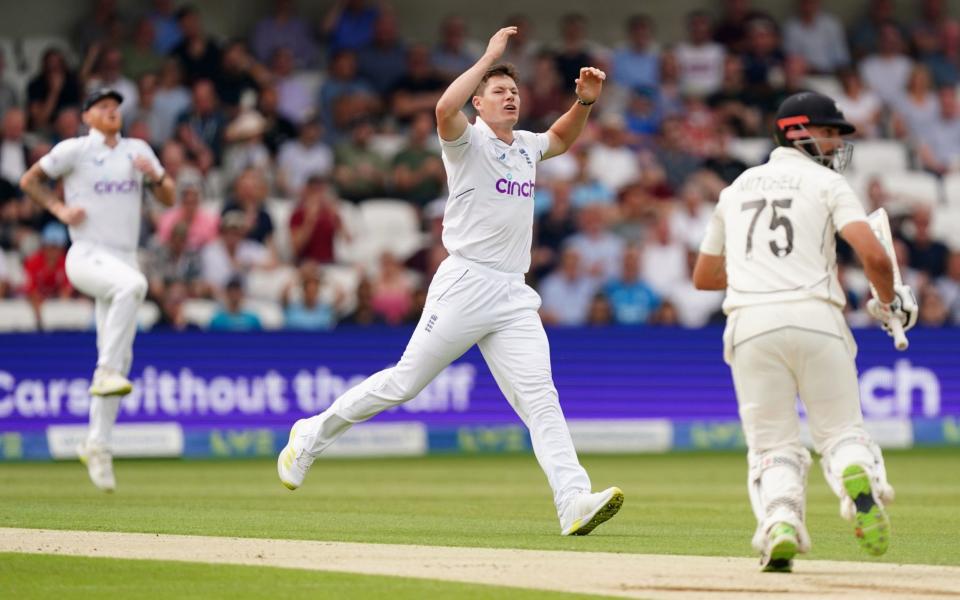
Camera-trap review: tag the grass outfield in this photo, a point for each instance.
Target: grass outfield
(46, 576)
(675, 503)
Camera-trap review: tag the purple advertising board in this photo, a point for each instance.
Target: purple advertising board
(269, 379)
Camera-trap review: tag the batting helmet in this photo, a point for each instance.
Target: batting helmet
(801, 110)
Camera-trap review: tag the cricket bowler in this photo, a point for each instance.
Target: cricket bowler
(478, 295)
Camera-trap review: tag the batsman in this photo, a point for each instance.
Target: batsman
(771, 245)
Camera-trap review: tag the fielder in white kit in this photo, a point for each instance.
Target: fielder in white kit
(104, 179)
(478, 295)
(771, 245)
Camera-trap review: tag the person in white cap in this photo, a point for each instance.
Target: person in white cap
(478, 295)
(104, 179)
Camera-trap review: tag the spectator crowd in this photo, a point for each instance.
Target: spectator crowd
(293, 143)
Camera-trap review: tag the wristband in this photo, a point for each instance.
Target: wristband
(582, 103)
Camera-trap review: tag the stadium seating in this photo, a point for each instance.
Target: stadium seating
(913, 186)
(14, 269)
(387, 145)
(905, 188)
(74, 315)
(270, 313)
(19, 80)
(944, 225)
(199, 311)
(827, 85)
(7, 49)
(12, 72)
(346, 280)
(389, 226)
(879, 156)
(859, 182)
(33, 47)
(147, 315)
(268, 284)
(951, 190)
(753, 151)
(343, 244)
(374, 226)
(17, 315)
(280, 210)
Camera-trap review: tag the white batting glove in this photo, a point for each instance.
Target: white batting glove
(908, 306)
(904, 307)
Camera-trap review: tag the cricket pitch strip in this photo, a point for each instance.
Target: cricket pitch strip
(649, 576)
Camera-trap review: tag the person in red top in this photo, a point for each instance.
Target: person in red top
(315, 222)
(45, 272)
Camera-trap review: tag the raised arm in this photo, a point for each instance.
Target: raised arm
(301, 227)
(41, 110)
(451, 122)
(565, 130)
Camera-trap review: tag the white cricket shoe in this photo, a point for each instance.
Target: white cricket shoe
(109, 383)
(99, 464)
(294, 461)
(586, 511)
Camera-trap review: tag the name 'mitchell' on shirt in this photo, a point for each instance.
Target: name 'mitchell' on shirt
(105, 183)
(489, 215)
(776, 225)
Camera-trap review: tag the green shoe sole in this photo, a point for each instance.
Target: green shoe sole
(784, 548)
(872, 526)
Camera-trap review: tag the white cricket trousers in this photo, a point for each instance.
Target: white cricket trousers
(769, 372)
(470, 304)
(771, 367)
(111, 277)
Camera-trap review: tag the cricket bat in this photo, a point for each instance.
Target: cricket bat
(880, 224)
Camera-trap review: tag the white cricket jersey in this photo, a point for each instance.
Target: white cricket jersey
(488, 218)
(775, 226)
(103, 181)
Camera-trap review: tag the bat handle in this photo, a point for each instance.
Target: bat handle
(899, 338)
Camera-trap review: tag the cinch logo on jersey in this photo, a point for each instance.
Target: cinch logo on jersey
(106, 186)
(515, 188)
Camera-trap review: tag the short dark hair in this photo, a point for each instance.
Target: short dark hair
(316, 179)
(184, 11)
(572, 17)
(498, 70)
(699, 13)
(639, 20)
